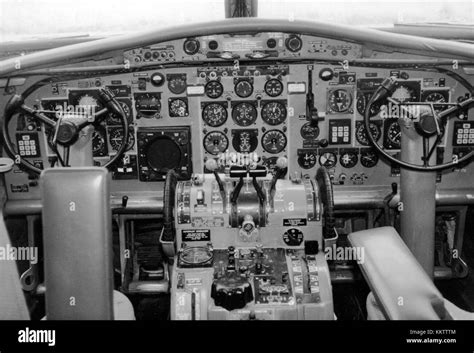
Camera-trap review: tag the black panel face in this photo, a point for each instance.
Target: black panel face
(162, 149)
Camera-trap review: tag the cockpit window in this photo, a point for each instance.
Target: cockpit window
(28, 19)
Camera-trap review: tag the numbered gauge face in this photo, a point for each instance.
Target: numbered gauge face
(243, 88)
(436, 97)
(328, 159)
(214, 89)
(362, 101)
(178, 107)
(177, 83)
(349, 159)
(273, 87)
(307, 160)
(244, 114)
(214, 114)
(339, 100)
(404, 94)
(274, 141)
(361, 133)
(274, 113)
(116, 137)
(244, 140)
(147, 105)
(113, 119)
(369, 159)
(216, 142)
(394, 134)
(309, 132)
(99, 143)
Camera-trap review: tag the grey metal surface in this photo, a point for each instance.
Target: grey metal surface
(77, 244)
(434, 46)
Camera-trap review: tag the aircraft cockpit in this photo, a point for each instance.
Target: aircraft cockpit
(245, 168)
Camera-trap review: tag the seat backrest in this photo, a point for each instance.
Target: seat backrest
(401, 287)
(12, 300)
(77, 240)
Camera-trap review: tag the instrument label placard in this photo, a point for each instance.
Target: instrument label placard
(294, 222)
(196, 235)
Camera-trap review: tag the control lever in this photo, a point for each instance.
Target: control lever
(311, 112)
(211, 165)
(241, 172)
(280, 169)
(387, 201)
(124, 201)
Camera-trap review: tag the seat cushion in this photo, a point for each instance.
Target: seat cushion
(123, 308)
(401, 287)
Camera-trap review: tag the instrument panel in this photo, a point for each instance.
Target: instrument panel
(249, 104)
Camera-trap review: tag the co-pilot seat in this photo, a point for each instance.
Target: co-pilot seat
(77, 239)
(400, 287)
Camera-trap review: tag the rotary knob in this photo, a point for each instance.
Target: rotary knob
(232, 291)
(293, 43)
(191, 46)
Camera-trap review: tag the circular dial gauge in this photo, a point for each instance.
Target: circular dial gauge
(99, 143)
(394, 134)
(328, 159)
(309, 132)
(216, 142)
(243, 88)
(362, 101)
(361, 133)
(274, 141)
(274, 113)
(116, 137)
(369, 158)
(404, 94)
(147, 105)
(307, 160)
(214, 114)
(273, 87)
(113, 119)
(214, 89)
(178, 108)
(348, 159)
(339, 100)
(194, 255)
(244, 114)
(88, 101)
(436, 97)
(177, 84)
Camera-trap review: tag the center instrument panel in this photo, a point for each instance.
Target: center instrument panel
(231, 97)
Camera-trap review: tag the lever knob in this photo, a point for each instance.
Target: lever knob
(282, 162)
(211, 164)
